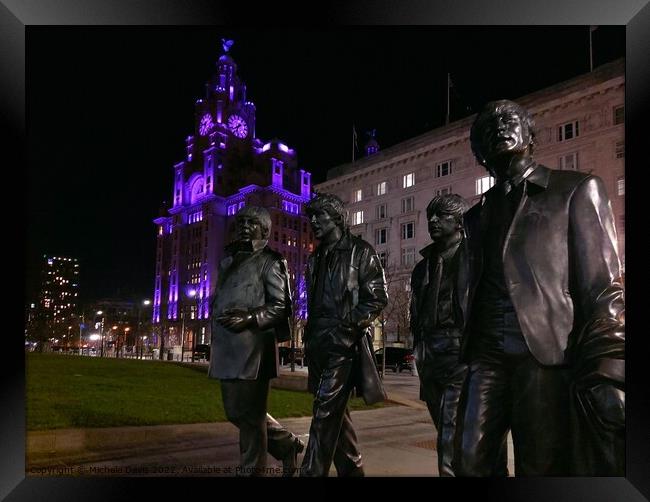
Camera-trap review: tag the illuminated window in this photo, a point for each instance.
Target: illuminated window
(408, 180)
(443, 169)
(569, 162)
(381, 188)
(568, 131)
(357, 217)
(484, 184)
(357, 195)
(620, 185)
(408, 230)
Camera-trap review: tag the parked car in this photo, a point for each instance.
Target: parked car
(397, 359)
(201, 351)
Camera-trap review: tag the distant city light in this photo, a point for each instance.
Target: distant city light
(94, 337)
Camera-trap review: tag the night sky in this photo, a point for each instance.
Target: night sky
(109, 109)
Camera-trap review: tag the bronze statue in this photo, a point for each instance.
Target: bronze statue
(545, 335)
(439, 283)
(250, 314)
(346, 292)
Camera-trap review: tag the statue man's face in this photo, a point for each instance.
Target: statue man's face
(504, 133)
(248, 228)
(442, 225)
(322, 223)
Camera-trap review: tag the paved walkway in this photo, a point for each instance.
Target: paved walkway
(396, 440)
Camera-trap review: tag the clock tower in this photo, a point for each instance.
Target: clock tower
(225, 168)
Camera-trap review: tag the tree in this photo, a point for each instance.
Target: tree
(298, 317)
(396, 315)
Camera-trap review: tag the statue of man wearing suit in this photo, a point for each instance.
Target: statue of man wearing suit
(346, 292)
(249, 316)
(545, 335)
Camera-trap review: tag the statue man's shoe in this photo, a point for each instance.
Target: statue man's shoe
(290, 461)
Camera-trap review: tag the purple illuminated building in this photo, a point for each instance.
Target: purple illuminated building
(226, 167)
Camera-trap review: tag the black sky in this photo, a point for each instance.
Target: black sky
(108, 110)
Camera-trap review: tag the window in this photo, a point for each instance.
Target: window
(620, 185)
(407, 204)
(408, 230)
(381, 236)
(619, 115)
(357, 195)
(484, 184)
(408, 180)
(568, 131)
(443, 169)
(620, 149)
(381, 188)
(357, 217)
(408, 256)
(382, 258)
(569, 162)
(380, 212)
(443, 191)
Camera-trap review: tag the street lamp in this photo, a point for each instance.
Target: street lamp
(145, 303)
(191, 293)
(101, 330)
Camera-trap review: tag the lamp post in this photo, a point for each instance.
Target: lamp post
(145, 303)
(81, 327)
(191, 293)
(101, 331)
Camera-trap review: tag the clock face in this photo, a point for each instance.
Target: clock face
(206, 124)
(238, 126)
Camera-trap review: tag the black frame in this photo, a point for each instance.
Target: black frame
(634, 14)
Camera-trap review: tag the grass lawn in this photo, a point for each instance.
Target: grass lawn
(72, 391)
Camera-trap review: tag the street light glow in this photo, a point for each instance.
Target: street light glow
(94, 337)
(146, 302)
(99, 312)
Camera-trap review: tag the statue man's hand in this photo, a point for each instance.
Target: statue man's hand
(236, 320)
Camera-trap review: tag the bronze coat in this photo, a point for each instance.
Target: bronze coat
(562, 271)
(361, 294)
(260, 284)
(561, 267)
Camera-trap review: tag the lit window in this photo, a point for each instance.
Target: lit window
(381, 236)
(620, 185)
(443, 169)
(357, 195)
(408, 256)
(381, 211)
(484, 184)
(407, 204)
(381, 188)
(619, 115)
(408, 180)
(357, 217)
(568, 131)
(569, 162)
